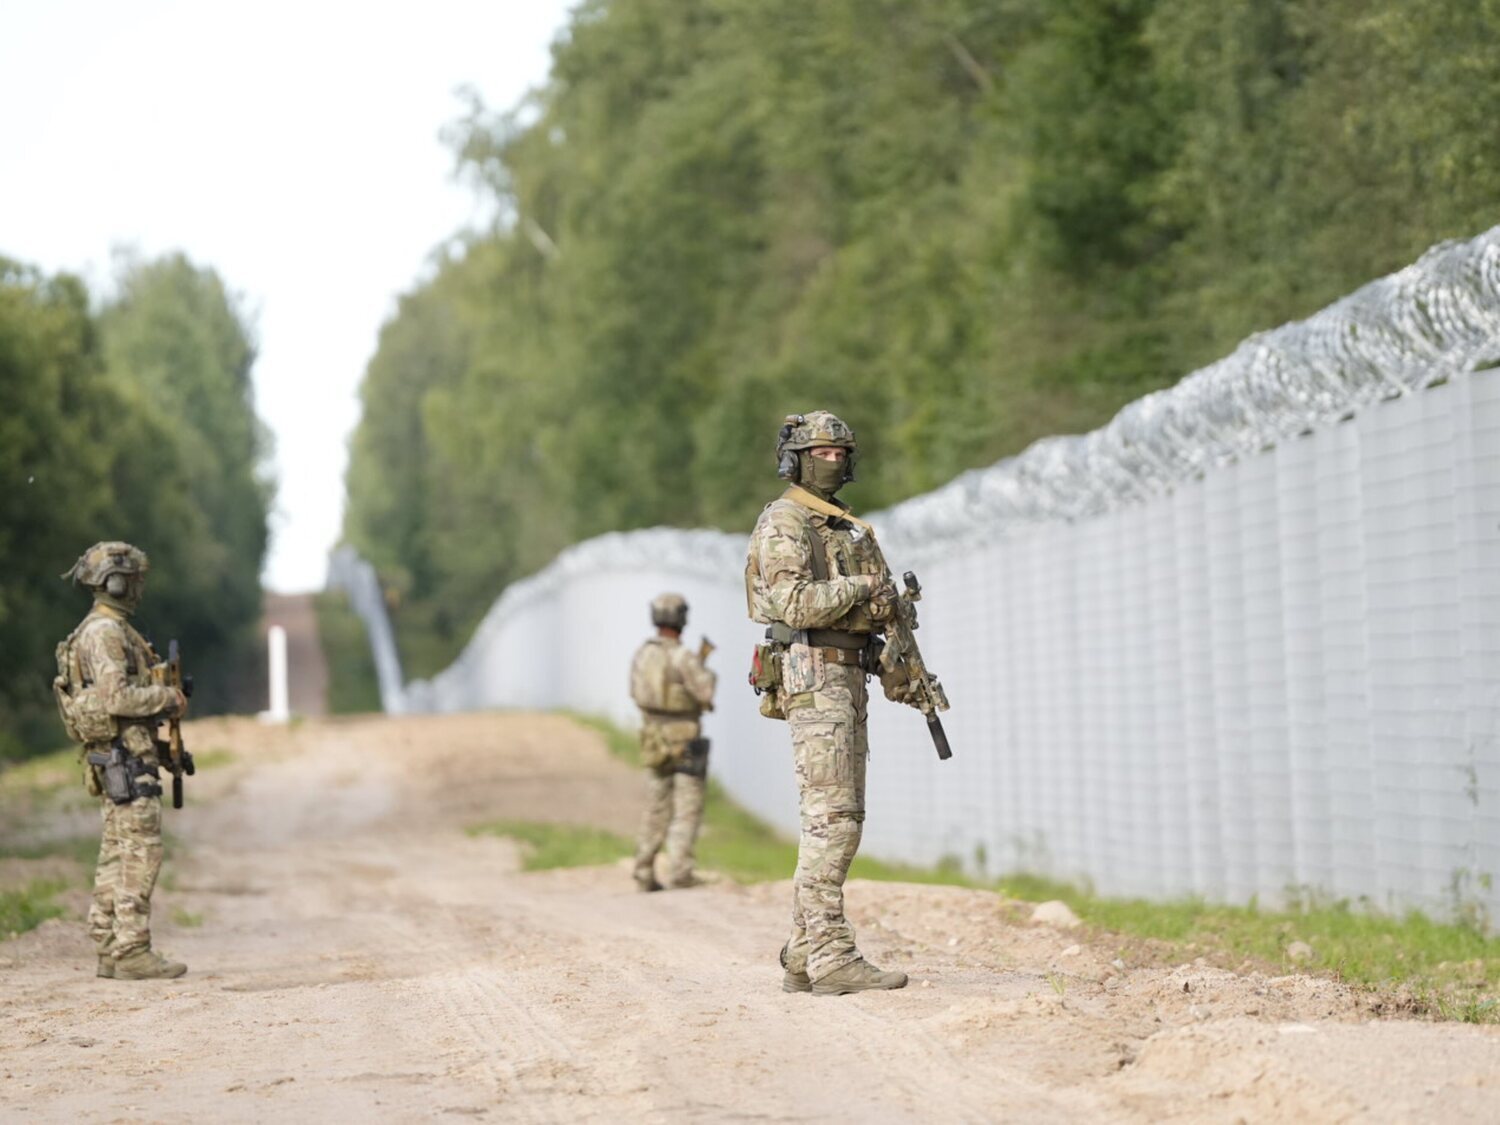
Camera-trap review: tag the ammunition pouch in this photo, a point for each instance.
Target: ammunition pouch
(694, 760)
(83, 714)
(120, 775)
(662, 733)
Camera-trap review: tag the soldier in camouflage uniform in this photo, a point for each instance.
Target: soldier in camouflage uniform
(672, 688)
(108, 698)
(811, 573)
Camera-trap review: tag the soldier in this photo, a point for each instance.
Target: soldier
(110, 703)
(672, 688)
(813, 578)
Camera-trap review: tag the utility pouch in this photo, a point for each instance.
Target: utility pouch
(802, 669)
(654, 748)
(765, 668)
(694, 760)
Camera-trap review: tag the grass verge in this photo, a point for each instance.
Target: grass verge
(545, 845)
(1449, 970)
(42, 775)
(80, 849)
(212, 758)
(27, 907)
(1439, 969)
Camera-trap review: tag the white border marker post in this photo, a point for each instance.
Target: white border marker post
(279, 712)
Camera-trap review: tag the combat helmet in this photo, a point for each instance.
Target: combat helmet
(669, 611)
(96, 566)
(816, 430)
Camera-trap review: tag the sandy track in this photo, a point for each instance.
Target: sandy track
(360, 957)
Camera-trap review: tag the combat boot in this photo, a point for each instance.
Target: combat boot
(106, 966)
(793, 981)
(147, 964)
(857, 976)
(647, 882)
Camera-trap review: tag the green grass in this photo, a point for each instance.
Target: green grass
(623, 744)
(187, 919)
(546, 845)
(212, 758)
(81, 849)
(1454, 970)
(28, 907)
(745, 848)
(352, 686)
(42, 775)
(1447, 970)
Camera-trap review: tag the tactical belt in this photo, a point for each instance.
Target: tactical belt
(667, 716)
(837, 638)
(852, 656)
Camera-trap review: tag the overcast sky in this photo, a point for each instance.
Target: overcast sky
(293, 147)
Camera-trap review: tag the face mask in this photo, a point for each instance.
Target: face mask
(826, 477)
(128, 601)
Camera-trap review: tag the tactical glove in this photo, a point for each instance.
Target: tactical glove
(898, 689)
(176, 706)
(883, 602)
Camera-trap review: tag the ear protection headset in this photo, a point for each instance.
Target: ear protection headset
(786, 465)
(116, 584)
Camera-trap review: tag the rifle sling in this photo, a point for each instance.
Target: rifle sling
(801, 496)
(819, 556)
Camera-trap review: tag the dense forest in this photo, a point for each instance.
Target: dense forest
(961, 224)
(131, 420)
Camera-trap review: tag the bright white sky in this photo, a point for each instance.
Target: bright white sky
(292, 146)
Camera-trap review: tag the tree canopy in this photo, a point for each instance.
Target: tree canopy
(130, 422)
(962, 225)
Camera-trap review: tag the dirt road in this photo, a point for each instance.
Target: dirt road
(356, 956)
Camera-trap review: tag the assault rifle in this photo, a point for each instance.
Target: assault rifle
(901, 654)
(705, 650)
(178, 760)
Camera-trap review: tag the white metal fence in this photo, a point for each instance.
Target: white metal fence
(1242, 640)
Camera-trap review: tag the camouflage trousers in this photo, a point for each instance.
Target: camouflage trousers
(129, 860)
(831, 749)
(674, 812)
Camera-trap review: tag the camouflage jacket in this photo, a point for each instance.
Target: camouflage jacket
(666, 677)
(116, 664)
(786, 581)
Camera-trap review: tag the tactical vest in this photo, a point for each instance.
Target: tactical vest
(655, 684)
(83, 713)
(841, 552)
